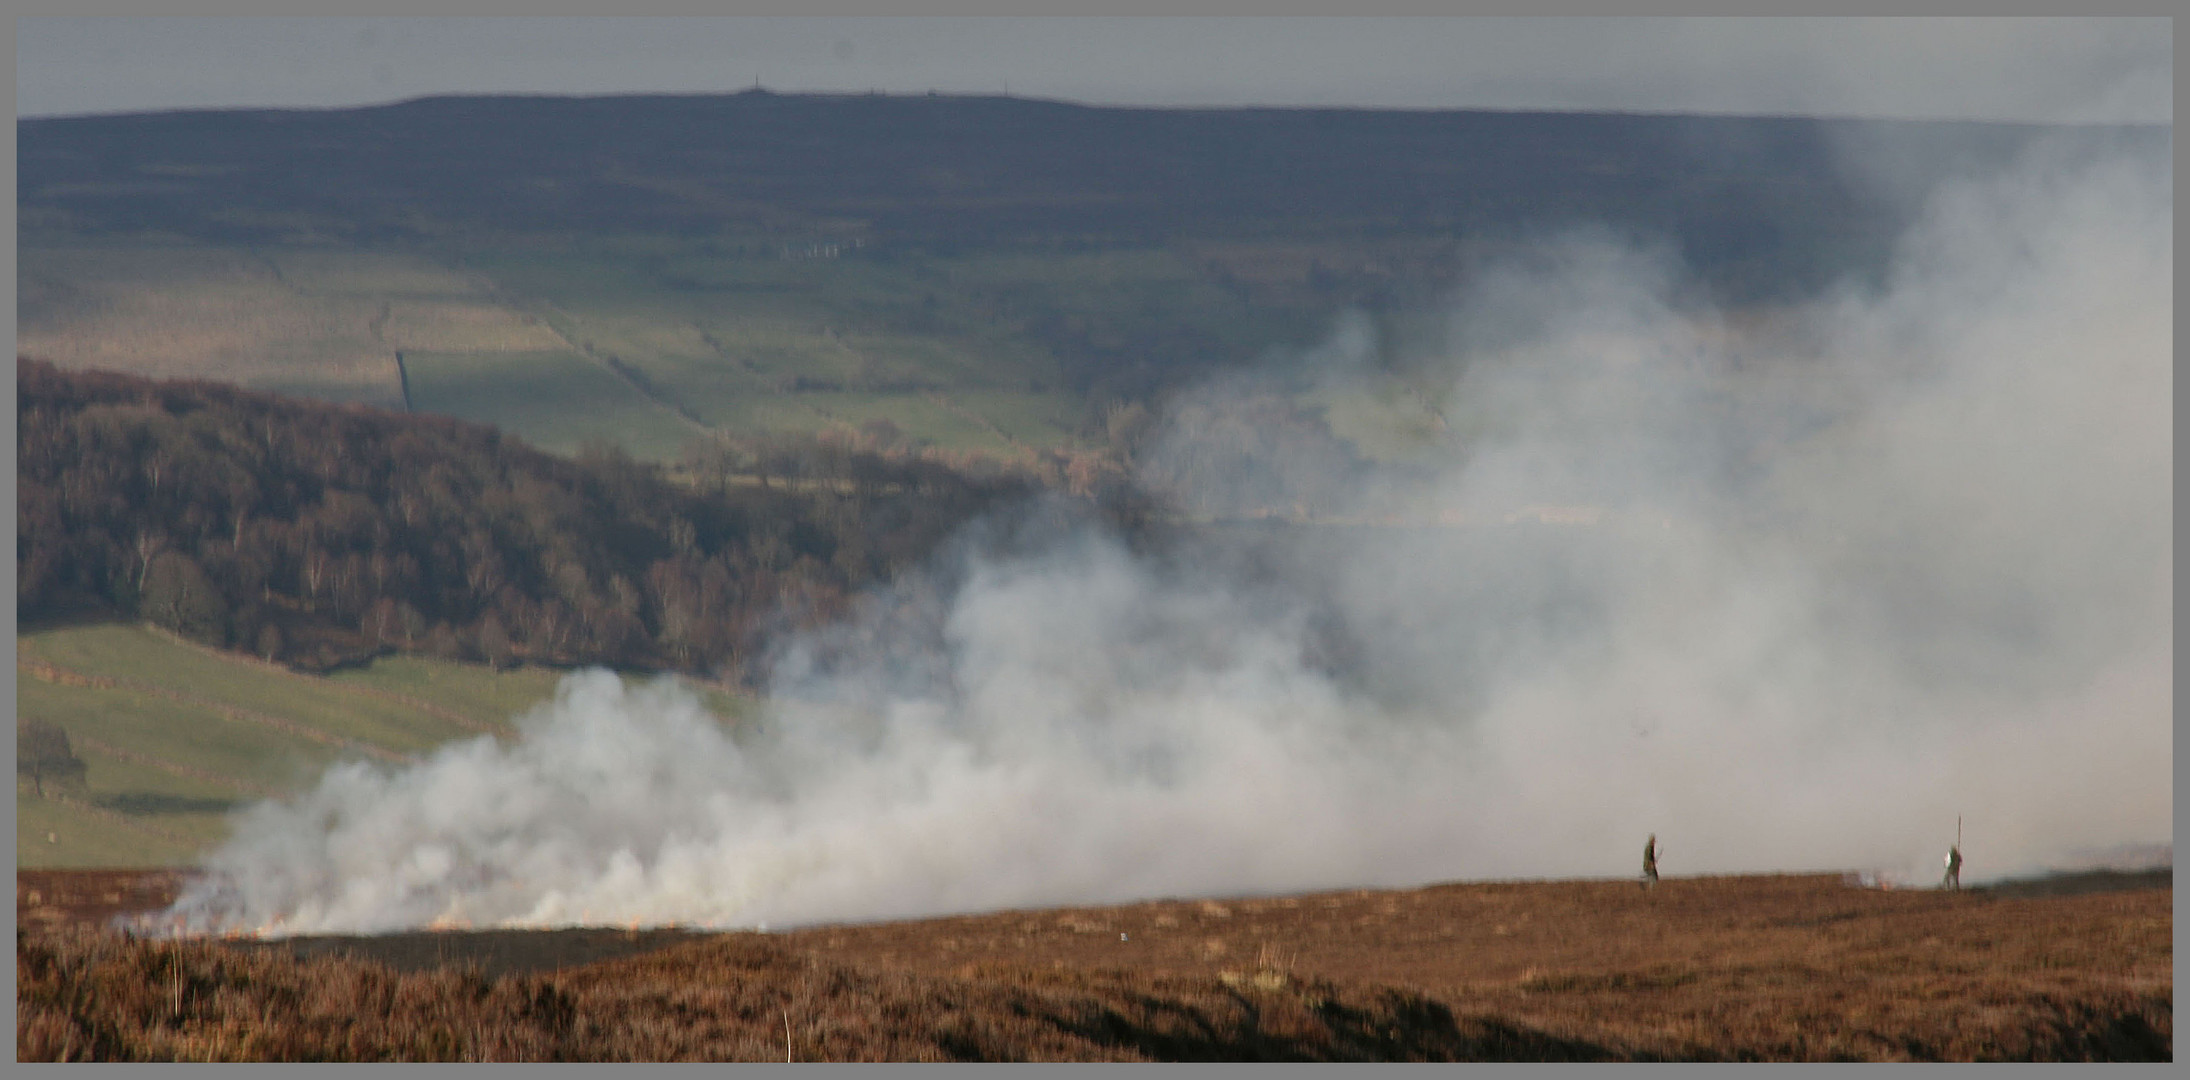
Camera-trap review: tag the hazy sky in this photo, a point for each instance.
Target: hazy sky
(2002, 69)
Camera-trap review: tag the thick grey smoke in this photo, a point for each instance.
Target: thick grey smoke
(1791, 590)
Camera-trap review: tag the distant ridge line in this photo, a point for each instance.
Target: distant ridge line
(763, 96)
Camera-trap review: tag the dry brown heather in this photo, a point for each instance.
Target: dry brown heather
(1780, 967)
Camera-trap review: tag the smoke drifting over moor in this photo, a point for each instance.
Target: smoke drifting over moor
(1593, 559)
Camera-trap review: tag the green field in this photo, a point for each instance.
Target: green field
(644, 342)
(174, 736)
(317, 322)
(760, 344)
(537, 396)
(651, 268)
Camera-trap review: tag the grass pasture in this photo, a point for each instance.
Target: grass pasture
(751, 344)
(919, 416)
(379, 275)
(191, 740)
(320, 322)
(61, 836)
(473, 691)
(965, 352)
(174, 736)
(1035, 419)
(556, 400)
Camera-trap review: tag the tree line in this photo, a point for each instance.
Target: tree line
(316, 534)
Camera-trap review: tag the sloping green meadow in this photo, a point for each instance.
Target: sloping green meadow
(176, 737)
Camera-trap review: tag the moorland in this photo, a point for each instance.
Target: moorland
(1794, 967)
(342, 433)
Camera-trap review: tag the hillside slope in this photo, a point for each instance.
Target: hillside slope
(971, 170)
(318, 535)
(986, 275)
(175, 736)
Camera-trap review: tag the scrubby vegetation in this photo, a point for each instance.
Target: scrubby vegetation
(93, 997)
(1766, 968)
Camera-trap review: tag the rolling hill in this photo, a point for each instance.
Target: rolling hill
(986, 275)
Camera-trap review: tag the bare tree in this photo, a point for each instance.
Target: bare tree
(42, 753)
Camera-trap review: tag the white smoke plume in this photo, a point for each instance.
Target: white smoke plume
(1791, 592)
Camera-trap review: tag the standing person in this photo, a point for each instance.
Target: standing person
(1953, 880)
(1650, 861)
